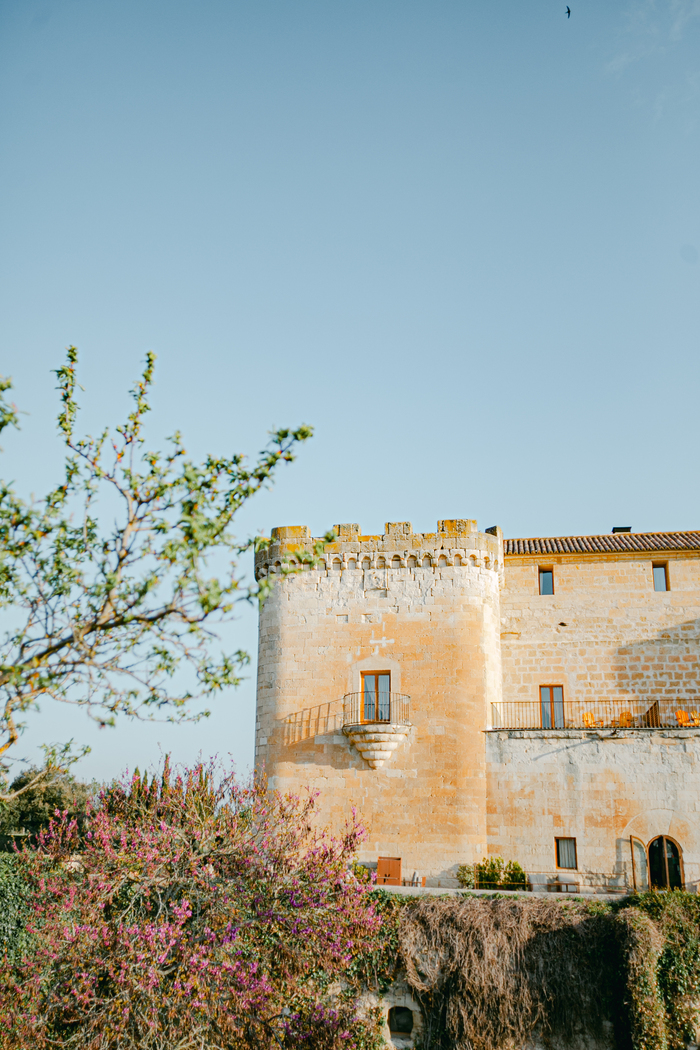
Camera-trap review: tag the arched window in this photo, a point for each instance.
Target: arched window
(665, 865)
(426, 562)
(366, 563)
(412, 562)
(336, 565)
(381, 564)
(352, 564)
(442, 564)
(458, 561)
(396, 562)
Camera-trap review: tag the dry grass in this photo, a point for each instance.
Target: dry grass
(490, 973)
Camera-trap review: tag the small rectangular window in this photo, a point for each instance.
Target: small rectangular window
(546, 581)
(552, 706)
(661, 577)
(376, 690)
(566, 853)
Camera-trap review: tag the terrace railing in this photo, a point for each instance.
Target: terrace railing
(393, 708)
(587, 714)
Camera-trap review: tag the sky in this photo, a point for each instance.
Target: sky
(459, 238)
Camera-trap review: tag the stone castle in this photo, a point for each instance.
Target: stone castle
(535, 699)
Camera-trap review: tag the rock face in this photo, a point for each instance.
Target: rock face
(376, 741)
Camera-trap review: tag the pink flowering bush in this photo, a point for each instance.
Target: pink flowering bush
(190, 912)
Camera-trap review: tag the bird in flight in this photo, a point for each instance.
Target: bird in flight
(568, 12)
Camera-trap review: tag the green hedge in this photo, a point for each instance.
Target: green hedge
(15, 903)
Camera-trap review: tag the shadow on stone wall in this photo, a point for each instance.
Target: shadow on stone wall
(315, 734)
(664, 667)
(311, 722)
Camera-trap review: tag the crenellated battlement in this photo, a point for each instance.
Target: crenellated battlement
(455, 543)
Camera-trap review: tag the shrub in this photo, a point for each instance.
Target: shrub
(514, 878)
(465, 876)
(362, 873)
(493, 873)
(196, 913)
(489, 874)
(30, 812)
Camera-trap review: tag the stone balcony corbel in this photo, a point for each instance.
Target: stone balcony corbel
(377, 737)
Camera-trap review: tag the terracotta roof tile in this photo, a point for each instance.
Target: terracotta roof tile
(610, 543)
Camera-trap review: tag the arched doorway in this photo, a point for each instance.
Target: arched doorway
(658, 866)
(665, 864)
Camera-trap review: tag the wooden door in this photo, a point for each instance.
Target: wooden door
(640, 865)
(388, 871)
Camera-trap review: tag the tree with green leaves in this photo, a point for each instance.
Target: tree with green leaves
(35, 800)
(115, 582)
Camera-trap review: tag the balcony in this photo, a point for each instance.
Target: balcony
(583, 714)
(376, 728)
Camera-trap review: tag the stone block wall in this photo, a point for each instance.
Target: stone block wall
(424, 607)
(466, 634)
(605, 634)
(607, 637)
(599, 787)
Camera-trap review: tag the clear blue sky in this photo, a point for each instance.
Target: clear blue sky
(459, 238)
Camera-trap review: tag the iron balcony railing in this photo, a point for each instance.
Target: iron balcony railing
(586, 714)
(382, 707)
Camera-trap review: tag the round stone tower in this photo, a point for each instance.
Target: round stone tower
(377, 671)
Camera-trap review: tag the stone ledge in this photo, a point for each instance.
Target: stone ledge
(594, 734)
(445, 891)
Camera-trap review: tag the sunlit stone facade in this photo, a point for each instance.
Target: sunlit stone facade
(510, 718)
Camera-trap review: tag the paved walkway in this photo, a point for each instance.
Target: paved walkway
(444, 891)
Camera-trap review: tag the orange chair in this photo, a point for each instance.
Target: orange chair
(683, 719)
(625, 719)
(589, 720)
(695, 718)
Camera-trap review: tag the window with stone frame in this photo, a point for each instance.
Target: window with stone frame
(660, 571)
(566, 854)
(546, 577)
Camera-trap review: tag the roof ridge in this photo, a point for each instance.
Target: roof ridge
(604, 542)
(597, 535)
